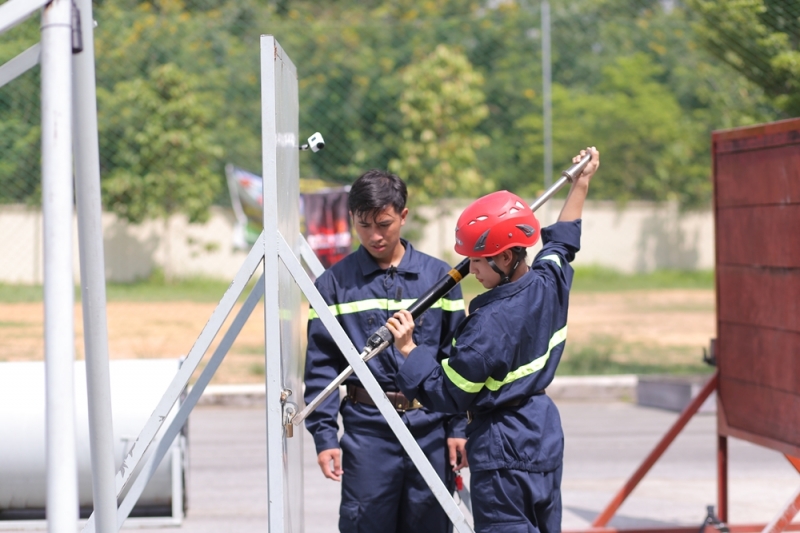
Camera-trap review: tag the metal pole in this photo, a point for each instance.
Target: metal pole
(547, 97)
(93, 286)
(276, 505)
(59, 330)
(722, 478)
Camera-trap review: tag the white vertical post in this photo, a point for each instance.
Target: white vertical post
(93, 285)
(62, 471)
(547, 99)
(272, 329)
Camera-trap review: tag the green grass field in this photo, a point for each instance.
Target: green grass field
(156, 288)
(598, 279)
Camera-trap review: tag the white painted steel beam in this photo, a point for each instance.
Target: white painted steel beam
(59, 330)
(15, 11)
(190, 364)
(177, 385)
(174, 428)
(93, 279)
(276, 497)
(21, 64)
(369, 382)
(310, 258)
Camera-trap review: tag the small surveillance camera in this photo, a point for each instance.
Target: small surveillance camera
(315, 143)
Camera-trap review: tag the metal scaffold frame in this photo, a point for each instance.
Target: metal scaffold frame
(280, 262)
(279, 91)
(69, 127)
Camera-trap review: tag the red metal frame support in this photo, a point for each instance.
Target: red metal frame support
(790, 510)
(795, 462)
(782, 521)
(604, 517)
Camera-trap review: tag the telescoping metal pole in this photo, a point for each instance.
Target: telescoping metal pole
(381, 339)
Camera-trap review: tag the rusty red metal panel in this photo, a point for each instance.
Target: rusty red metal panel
(765, 177)
(762, 411)
(741, 351)
(765, 297)
(758, 135)
(760, 235)
(757, 215)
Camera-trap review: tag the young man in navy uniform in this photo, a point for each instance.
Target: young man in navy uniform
(382, 491)
(504, 356)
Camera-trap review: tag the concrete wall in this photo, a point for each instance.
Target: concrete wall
(131, 251)
(639, 238)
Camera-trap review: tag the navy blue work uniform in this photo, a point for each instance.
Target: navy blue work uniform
(382, 490)
(505, 354)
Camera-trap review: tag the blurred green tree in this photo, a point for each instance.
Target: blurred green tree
(760, 39)
(441, 104)
(20, 122)
(164, 149)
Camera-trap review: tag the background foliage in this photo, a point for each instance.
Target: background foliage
(447, 93)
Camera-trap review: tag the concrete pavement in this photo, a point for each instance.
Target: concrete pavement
(605, 443)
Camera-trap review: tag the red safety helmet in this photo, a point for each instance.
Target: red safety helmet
(494, 223)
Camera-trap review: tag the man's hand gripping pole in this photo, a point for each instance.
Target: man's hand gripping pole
(381, 339)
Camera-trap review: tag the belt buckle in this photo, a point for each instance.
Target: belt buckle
(399, 408)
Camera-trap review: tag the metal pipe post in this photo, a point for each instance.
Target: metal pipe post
(722, 478)
(93, 285)
(276, 506)
(547, 97)
(59, 330)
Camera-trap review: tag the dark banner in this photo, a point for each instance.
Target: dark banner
(325, 213)
(327, 224)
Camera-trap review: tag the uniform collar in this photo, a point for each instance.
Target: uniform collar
(502, 291)
(409, 263)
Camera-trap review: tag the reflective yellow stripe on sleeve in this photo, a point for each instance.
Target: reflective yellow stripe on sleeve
(554, 258)
(458, 380)
(385, 304)
(493, 384)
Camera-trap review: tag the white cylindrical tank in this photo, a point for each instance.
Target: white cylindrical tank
(136, 388)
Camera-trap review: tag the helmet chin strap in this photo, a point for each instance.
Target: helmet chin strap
(505, 277)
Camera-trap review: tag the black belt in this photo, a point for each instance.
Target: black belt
(398, 399)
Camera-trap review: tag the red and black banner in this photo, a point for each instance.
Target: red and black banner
(327, 224)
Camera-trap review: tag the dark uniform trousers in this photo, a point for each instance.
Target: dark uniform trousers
(382, 490)
(516, 501)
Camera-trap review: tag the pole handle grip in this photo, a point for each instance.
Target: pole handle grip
(573, 172)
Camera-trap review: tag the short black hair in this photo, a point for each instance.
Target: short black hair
(374, 191)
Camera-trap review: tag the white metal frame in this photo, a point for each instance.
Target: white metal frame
(69, 106)
(280, 252)
(69, 125)
(68, 101)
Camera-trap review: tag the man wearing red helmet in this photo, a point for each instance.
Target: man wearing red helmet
(504, 355)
